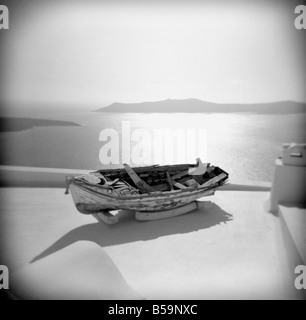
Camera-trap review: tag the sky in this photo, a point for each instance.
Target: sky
(94, 53)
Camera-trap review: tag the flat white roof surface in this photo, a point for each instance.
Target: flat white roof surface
(295, 218)
(229, 248)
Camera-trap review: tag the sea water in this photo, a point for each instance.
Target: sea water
(244, 145)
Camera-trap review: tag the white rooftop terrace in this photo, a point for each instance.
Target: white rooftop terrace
(229, 248)
(241, 243)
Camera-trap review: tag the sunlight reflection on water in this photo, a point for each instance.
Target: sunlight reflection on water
(245, 145)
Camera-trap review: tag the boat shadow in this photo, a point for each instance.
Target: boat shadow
(207, 215)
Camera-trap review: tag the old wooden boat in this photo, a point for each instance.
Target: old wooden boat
(145, 189)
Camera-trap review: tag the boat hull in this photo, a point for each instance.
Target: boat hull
(91, 199)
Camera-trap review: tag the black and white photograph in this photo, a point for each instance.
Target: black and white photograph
(152, 152)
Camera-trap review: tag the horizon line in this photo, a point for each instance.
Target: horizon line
(229, 103)
(98, 104)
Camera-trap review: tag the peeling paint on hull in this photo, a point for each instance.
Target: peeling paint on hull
(114, 189)
(90, 201)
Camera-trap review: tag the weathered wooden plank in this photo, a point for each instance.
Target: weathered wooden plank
(214, 180)
(179, 175)
(191, 183)
(143, 175)
(169, 180)
(162, 187)
(179, 185)
(142, 185)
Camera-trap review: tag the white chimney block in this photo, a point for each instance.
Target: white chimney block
(289, 183)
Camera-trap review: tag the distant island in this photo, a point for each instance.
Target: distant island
(20, 124)
(200, 106)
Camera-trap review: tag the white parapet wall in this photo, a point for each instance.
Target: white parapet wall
(36, 177)
(17, 176)
(288, 201)
(289, 183)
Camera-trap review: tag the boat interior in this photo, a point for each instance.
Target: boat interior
(162, 178)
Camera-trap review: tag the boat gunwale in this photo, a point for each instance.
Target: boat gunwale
(149, 168)
(163, 195)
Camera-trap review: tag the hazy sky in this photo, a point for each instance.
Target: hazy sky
(99, 52)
